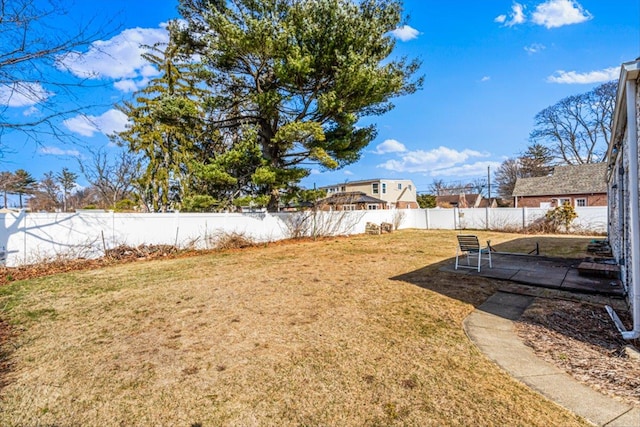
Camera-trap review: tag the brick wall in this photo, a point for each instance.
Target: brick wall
(535, 201)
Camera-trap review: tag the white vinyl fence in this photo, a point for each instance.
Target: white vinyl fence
(32, 237)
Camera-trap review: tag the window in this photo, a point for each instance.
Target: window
(399, 186)
(375, 188)
(372, 207)
(410, 187)
(562, 202)
(343, 188)
(384, 188)
(581, 203)
(349, 207)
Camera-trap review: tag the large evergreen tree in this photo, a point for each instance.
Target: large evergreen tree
(166, 122)
(294, 78)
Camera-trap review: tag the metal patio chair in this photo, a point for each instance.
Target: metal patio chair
(469, 247)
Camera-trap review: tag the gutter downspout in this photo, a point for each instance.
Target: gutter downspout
(634, 217)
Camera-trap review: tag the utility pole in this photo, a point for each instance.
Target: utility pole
(489, 181)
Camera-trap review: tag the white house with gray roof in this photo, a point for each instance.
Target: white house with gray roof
(396, 193)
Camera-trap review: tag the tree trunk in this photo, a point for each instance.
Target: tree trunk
(274, 201)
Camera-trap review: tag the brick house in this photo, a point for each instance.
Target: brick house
(577, 185)
(395, 193)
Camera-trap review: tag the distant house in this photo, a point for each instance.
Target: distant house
(577, 185)
(394, 193)
(462, 201)
(352, 201)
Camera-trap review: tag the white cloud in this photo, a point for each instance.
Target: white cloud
(130, 85)
(573, 77)
(108, 123)
(390, 146)
(485, 79)
(515, 17)
(557, 13)
(55, 151)
(81, 125)
(348, 172)
(126, 85)
(315, 171)
(467, 170)
(440, 158)
(405, 33)
(534, 48)
(30, 111)
(22, 94)
(119, 58)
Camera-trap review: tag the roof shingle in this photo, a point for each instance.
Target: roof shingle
(575, 179)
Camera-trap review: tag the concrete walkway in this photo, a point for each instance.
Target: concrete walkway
(490, 327)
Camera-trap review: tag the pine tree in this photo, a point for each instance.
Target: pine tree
(67, 181)
(299, 74)
(24, 184)
(166, 121)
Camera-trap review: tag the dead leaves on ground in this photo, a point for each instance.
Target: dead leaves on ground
(582, 340)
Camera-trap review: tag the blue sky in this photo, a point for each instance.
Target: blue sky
(489, 67)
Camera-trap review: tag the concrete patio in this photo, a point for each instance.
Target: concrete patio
(541, 271)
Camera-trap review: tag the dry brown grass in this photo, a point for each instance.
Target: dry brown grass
(358, 331)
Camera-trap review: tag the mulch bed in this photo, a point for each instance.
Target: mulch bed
(581, 339)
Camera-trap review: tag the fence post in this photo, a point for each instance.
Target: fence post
(456, 218)
(486, 223)
(524, 217)
(24, 233)
(428, 219)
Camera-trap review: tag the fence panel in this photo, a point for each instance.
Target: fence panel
(33, 237)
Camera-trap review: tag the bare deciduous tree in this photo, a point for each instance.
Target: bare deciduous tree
(114, 180)
(46, 195)
(506, 176)
(537, 160)
(34, 36)
(440, 188)
(578, 128)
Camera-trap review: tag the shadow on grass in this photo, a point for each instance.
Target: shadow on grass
(474, 289)
(576, 315)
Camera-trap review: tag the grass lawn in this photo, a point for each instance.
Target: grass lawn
(359, 331)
